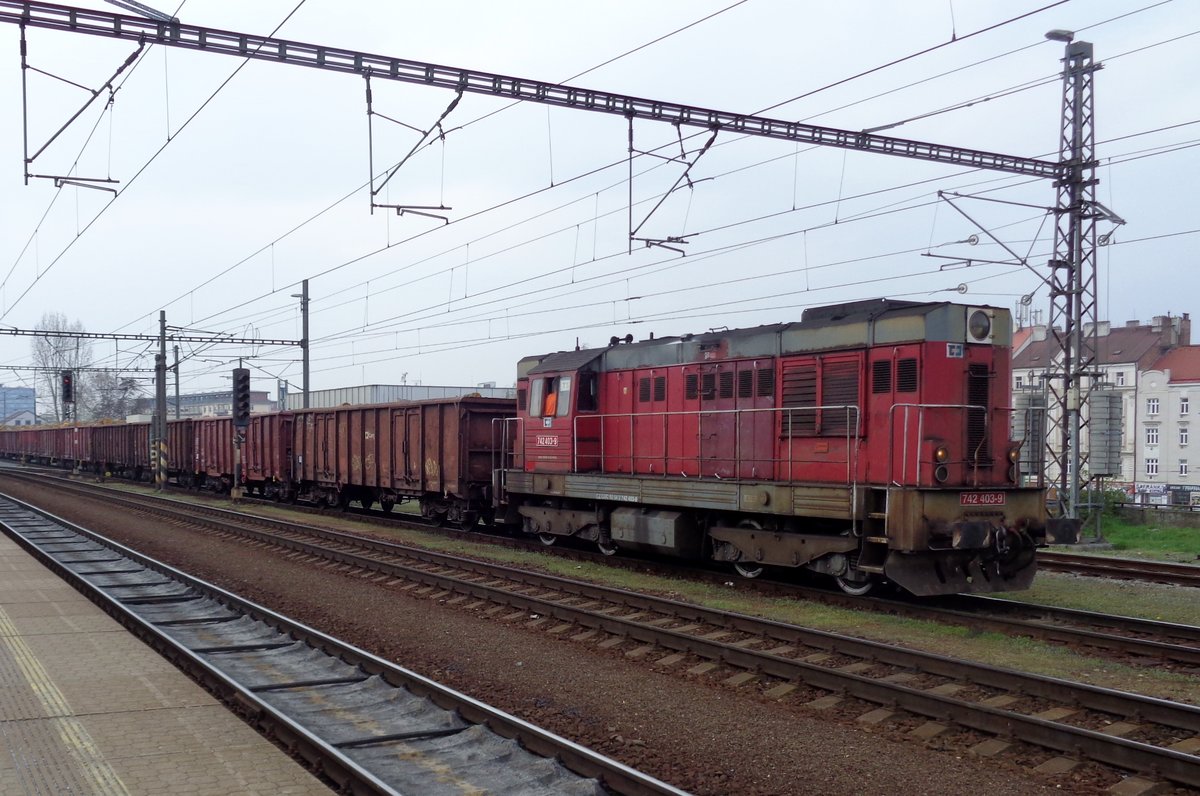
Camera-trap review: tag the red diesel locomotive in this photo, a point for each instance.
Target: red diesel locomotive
(869, 441)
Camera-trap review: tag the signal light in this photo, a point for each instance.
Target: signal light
(241, 397)
(68, 387)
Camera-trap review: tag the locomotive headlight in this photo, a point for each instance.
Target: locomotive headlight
(941, 455)
(979, 325)
(941, 473)
(1014, 453)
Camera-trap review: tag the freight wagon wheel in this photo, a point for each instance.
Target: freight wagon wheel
(608, 548)
(548, 539)
(387, 504)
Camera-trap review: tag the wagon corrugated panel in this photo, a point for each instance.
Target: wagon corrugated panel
(267, 453)
(78, 444)
(181, 446)
(122, 446)
(450, 446)
(344, 446)
(214, 446)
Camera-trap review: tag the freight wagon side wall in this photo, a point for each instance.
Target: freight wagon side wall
(214, 446)
(363, 442)
(181, 446)
(267, 453)
(124, 446)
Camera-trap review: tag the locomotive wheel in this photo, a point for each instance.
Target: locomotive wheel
(856, 588)
(548, 539)
(747, 569)
(608, 548)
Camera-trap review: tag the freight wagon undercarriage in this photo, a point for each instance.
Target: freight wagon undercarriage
(926, 541)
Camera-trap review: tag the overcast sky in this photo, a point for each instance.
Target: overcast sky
(263, 181)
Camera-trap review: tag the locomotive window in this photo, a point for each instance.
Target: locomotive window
(522, 399)
(691, 386)
(727, 384)
(588, 392)
(745, 384)
(708, 390)
(644, 389)
(766, 383)
(881, 376)
(536, 389)
(564, 397)
(906, 375)
(660, 388)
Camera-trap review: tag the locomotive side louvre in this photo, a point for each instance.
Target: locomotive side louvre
(867, 440)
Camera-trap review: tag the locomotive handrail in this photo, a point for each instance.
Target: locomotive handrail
(853, 434)
(1037, 457)
(920, 434)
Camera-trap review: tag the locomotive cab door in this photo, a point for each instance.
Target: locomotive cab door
(549, 434)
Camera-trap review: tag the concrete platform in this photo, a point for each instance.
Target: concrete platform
(87, 708)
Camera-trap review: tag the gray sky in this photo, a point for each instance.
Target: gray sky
(222, 224)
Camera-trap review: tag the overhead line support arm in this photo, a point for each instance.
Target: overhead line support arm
(243, 45)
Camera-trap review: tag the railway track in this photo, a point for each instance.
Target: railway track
(1122, 568)
(1138, 641)
(371, 726)
(1123, 730)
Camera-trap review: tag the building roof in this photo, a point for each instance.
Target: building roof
(1183, 362)
(1124, 345)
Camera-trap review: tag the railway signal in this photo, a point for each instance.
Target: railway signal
(241, 397)
(68, 387)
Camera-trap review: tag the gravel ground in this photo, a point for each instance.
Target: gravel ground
(691, 732)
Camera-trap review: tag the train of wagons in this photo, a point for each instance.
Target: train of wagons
(870, 442)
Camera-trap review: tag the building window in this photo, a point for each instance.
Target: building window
(1152, 436)
(1183, 436)
(1019, 380)
(1183, 404)
(1183, 466)
(1151, 406)
(1151, 466)
(1120, 377)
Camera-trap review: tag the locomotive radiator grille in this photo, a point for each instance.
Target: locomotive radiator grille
(978, 390)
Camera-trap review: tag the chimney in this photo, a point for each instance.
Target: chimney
(1185, 330)
(1132, 324)
(1159, 323)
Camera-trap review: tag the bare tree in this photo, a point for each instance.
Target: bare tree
(112, 396)
(55, 354)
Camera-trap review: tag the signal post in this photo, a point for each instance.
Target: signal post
(241, 420)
